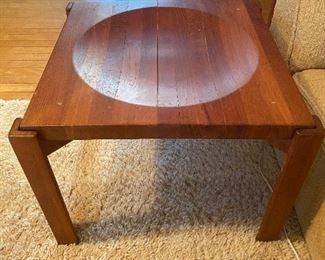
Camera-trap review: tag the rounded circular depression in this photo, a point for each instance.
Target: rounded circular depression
(165, 57)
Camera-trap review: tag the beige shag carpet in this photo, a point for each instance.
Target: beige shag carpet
(145, 199)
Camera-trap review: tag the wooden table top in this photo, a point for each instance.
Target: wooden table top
(166, 68)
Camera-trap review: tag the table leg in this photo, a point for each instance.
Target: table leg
(302, 152)
(32, 155)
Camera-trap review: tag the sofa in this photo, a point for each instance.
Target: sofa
(298, 27)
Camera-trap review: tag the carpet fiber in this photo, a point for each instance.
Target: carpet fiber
(145, 199)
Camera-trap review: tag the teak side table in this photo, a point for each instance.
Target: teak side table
(165, 69)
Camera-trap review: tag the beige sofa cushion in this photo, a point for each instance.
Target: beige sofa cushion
(298, 27)
(310, 208)
(311, 84)
(310, 205)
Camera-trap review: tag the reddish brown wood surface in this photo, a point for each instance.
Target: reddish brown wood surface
(49, 147)
(282, 145)
(41, 178)
(202, 85)
(301, 155)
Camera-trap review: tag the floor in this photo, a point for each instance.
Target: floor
(28, 32)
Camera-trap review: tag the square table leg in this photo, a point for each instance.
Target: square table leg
(302, 152)
(32, 155)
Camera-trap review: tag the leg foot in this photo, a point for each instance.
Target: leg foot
(33, 159)
(301, 155)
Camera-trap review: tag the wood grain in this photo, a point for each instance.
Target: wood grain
(267, 106)
(38, 171)
(27, 36)
(173, 69)
(17, 91)
(301, 155)
(28, 30)
(15, 72)
(146, 43)
(126, 67)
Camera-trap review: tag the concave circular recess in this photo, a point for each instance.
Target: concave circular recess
(165, 57)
